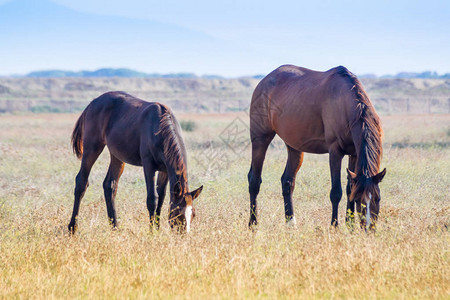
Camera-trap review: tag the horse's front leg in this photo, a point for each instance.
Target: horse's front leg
(149, 172)
(336, 189)
(350, 214)
(161, 185)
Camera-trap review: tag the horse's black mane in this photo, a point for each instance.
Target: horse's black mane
(173, 144)
(369, 158)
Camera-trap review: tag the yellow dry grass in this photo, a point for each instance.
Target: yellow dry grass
(407, 258)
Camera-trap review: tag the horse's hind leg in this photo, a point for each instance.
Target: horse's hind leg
(110, 185)
(259, 149)
(294, 162)
(90, 155)
(350, 214)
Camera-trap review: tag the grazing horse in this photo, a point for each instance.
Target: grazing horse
(139, 133)
(319, 112)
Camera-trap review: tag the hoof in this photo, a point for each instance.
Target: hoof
(291, 222)
(154, 223)
(252, 224)
(72, 228)
(154, 228)
(334, 224)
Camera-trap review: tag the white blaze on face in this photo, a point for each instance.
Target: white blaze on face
(188, 216)
(368, 200)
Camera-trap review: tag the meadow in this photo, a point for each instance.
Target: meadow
(407, 258)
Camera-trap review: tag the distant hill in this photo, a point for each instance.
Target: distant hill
(423, 75)
(129, 73)
(410, 75)
(109, 72)
(120, 72)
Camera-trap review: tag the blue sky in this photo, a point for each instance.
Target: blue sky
(230, 38)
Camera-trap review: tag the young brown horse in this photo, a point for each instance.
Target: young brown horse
(139, 133)
(318, 112)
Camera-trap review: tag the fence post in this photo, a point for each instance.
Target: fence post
(219, 103)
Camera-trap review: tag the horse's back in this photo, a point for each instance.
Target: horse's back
(306, 108)
(120, 121)
(289, 81)
(116, 102)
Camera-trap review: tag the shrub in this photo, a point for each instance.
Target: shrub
(188, 125)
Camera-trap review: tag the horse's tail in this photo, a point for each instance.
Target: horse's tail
(77, 135)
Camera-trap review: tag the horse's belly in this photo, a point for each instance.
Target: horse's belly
(309, 145)
(125, 151)
(302, 135)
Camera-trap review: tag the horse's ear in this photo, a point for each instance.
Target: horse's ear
(377, 178)
(196, 193)
(177, 189)
(351, 174)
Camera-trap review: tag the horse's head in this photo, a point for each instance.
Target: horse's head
(366, 194)
(181, 210)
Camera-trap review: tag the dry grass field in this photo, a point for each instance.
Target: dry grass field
(407, 258)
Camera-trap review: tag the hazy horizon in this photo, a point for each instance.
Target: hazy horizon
(230, 39)
(133, 73)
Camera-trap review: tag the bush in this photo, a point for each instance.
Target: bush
(45, 109)
(188, 125)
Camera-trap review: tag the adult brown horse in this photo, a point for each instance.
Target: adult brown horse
(139, 133)
(318, 112)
